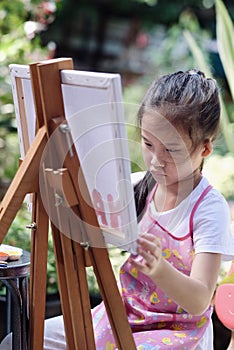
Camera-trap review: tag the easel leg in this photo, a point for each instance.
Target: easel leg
(25, 181)
(73, 282)
(39, 251)
(63, 287)
(111, 297)
(74, 287)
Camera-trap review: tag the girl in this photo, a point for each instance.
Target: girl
(184, 223)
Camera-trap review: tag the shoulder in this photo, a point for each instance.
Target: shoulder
(212, 224)
(212, 204)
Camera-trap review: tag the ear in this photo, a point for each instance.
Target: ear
(207, 148)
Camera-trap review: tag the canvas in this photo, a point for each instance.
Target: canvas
(95, 115)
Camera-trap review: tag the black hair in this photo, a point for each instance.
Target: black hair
(189, 101)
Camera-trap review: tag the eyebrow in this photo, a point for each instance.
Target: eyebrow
(165, 144)
(144, 138)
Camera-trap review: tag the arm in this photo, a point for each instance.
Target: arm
(193, 293)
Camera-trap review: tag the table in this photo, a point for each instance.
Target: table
(15, 277)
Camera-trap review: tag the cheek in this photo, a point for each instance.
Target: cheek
(187, 171)
(146, 155)
(183, 170)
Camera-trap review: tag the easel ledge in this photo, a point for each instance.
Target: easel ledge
(72, 256)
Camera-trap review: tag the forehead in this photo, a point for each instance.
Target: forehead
(154, 125)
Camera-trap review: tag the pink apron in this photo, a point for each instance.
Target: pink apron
(156, 321)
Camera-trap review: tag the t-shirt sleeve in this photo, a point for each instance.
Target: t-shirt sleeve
(212, 227)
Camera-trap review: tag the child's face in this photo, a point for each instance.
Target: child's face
(168, 153)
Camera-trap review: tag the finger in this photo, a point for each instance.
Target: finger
(148, 257)
(137, 264)
(142, 266)
(151, 246)
(148, 236)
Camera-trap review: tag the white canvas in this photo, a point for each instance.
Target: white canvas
(95, 115)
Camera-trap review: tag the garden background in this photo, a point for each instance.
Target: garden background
(140, 39)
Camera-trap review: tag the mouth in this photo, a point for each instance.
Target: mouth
(157, 173)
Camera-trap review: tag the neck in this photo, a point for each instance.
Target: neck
(170, 196)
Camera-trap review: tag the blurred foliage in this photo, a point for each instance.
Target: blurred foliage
(219, 170)
(168, 52)
(20, 23)
(225, 45)
(19, 236)
(174, 51)
(224, 179)
(225, 34)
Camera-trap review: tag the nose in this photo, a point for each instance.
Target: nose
(157, 160)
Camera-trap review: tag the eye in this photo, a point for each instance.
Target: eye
(147, 144)
(170, 150)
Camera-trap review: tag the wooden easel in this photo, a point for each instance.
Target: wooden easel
(75, 246)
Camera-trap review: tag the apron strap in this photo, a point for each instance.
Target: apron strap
(204, 193)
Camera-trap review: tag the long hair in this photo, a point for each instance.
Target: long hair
(141, 191)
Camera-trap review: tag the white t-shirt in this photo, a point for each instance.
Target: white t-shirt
(211, 221)
(211, 229)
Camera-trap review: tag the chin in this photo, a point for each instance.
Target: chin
(160, 179)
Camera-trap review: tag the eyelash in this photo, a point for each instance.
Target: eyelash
(170, 150)
(147, 144)
(166, 149)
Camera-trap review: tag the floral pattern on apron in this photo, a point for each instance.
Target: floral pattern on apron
(156, 321)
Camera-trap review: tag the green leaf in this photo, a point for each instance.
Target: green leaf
(226, 125)
(197, 53)
(225, 41)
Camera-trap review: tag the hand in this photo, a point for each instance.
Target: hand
(150, 249)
